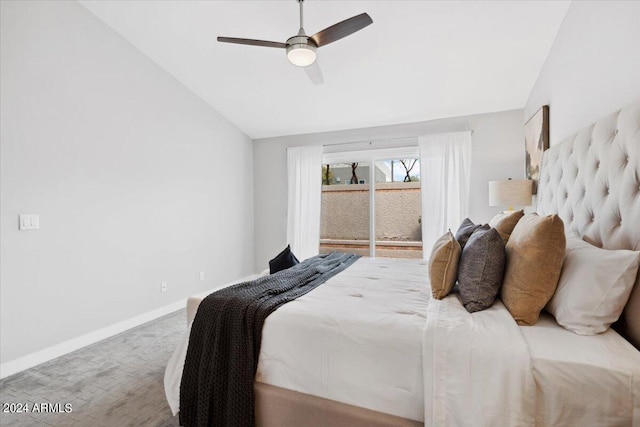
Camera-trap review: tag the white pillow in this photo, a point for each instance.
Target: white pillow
(594, 286)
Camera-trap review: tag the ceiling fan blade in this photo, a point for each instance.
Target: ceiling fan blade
(252, 42)
(342, 29)
(314, 73)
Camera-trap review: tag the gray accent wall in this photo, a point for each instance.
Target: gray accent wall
(593, 67)
(136, 181)
(498, 153)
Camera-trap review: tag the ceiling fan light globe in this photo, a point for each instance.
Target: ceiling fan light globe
(301, 55)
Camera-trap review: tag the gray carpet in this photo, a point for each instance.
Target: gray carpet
(116, 382)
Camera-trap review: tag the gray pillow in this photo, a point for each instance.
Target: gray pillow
(481, 269)
(466, 230)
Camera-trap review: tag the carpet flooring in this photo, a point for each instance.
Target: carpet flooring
(115, 382)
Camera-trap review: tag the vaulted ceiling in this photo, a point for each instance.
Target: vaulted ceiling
(419, 60)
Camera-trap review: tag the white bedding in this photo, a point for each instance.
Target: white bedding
(599, 377)
(373, 337)
(488, 371)
(477, 367)
(356, 339)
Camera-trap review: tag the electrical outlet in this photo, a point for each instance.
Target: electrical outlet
(202, 276)
(163, 287)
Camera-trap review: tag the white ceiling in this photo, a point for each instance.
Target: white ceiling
(419, 60)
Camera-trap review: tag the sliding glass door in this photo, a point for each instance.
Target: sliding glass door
(345, 219)
(371, 204)
(397, 210)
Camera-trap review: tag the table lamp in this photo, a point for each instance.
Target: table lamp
(510, 193)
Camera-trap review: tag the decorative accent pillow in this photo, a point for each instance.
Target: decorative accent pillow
(443, 265)
(481, 269)
(283, 260)
(594, 286)
(535, 252)
(466, 229)
(505, 222)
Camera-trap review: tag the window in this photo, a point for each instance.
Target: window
(372, 193)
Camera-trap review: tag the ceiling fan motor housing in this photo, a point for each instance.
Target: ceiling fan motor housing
(301, 50)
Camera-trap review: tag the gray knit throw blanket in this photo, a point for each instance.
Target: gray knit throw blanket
(224, 345)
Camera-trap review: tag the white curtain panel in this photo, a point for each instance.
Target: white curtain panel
(445, 162)
(304, 170)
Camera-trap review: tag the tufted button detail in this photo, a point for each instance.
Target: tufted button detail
(596, 171)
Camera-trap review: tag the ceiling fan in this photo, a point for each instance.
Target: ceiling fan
(301, 49)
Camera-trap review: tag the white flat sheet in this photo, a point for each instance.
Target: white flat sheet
(356, 339)
(477, 367)
(583, 380)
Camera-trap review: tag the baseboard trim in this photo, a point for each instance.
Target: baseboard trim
(34, 359)
(49, 353)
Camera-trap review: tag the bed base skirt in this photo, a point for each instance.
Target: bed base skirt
(280, 407)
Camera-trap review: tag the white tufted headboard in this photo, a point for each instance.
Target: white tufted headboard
(592, 180)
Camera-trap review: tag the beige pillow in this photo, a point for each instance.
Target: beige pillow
(535, 253)
(443, 265)
(505, 222)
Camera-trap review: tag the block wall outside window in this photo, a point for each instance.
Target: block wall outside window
(346, 214)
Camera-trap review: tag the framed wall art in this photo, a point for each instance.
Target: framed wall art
(536, 140)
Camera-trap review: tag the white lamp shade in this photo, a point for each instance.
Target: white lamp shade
(510, 193)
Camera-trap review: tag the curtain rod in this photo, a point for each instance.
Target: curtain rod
(371, 141)
(367, 141)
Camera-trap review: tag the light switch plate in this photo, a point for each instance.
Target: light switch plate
(29, 222)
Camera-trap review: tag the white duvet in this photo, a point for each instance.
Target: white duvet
(356, 338)
(373, 337)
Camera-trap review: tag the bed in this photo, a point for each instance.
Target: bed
(371, 347)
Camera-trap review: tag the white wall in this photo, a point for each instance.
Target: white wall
(498, 153)
(136, 181)
(593, 67)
